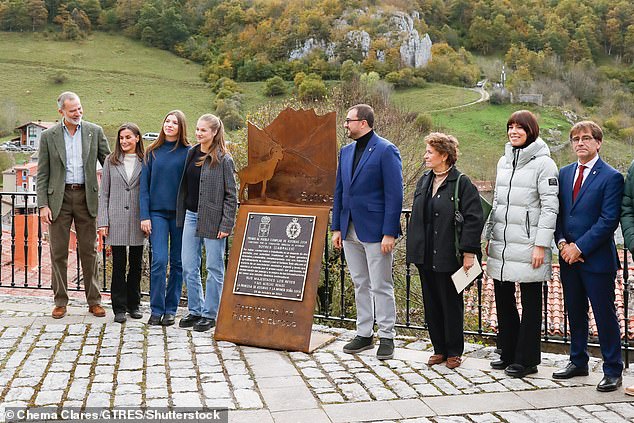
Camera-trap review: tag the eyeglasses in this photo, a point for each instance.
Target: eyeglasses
(584, 139)
(352, 120)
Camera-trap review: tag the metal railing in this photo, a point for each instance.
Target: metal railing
(335, 295)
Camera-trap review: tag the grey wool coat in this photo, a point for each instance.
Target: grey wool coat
(119, 205)
(217, 197)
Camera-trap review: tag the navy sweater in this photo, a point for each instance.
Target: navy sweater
(160, 178)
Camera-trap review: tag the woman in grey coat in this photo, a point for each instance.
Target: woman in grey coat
(119, 220)
(520, 233)
(206, 208)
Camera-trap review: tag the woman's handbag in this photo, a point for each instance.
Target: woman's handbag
(459, 219)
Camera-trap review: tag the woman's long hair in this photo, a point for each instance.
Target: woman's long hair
(218, 146)
(117, 155)
(182, 133)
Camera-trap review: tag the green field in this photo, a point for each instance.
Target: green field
(433, 97)
(117, 79)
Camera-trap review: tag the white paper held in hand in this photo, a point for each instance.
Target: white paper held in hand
(462, 279)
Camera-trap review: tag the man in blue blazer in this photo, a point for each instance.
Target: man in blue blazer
(366, 220)
(590, 193)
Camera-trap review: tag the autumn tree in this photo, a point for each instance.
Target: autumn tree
(38, 14)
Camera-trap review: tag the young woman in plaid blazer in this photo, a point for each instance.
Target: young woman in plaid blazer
(206, 208)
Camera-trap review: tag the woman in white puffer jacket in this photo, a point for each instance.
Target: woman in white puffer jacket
(520, 233)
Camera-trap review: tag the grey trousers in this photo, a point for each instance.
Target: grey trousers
(371, 273)
(74, 209)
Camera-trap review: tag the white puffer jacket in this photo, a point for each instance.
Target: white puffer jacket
(524, 214)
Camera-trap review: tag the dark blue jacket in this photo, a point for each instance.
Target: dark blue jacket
(591, 220)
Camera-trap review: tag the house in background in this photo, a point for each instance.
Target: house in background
(31, 132)
(22, 211)
(19, 178)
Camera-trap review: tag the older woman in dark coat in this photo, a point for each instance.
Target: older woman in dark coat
(431, 244)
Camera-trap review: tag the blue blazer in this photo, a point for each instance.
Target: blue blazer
(373, 196)
(591, 220)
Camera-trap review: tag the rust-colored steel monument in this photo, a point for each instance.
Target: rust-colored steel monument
(272, 277)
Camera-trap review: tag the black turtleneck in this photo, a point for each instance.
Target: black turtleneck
(362, 143)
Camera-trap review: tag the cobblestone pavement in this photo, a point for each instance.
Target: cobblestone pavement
(83, 361)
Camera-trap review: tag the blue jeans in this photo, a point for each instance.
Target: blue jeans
(191, 253)
(164, 299)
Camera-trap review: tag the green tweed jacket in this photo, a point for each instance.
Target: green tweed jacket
(51, 166)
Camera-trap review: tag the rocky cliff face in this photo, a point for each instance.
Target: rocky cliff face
(415, 50)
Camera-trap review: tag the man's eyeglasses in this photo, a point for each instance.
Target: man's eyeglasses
(352, 120)
(584, 139)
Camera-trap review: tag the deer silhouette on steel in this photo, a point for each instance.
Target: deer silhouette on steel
(260, 172)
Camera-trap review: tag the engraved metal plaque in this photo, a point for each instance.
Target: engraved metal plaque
(274, 256)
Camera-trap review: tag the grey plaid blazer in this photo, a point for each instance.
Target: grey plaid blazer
(217, 197)
(119, 205)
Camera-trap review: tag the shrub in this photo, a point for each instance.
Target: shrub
(312, 89)
(500, 96)
(274, 87)
(349, 71)
(230, 114)
(299, 78)
(58, 78)
(226, 93)
(424, 122)
(225, 83)
(405, 78)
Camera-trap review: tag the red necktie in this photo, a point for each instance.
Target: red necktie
(578, 182)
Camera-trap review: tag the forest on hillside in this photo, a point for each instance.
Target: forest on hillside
(577, 53)
(238, 34)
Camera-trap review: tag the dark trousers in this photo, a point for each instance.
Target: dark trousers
(579, 286)
(74, 210)
(444, 312)
(126, 290)
(519, 339)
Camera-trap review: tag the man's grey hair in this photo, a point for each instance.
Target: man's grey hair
(66, 95)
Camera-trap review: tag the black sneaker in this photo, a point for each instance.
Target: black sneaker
(188, 321)
(386, 349)
(204, 324)
(119, 317)
(168, 320)
(135, 313)
(358, 344)
(154, 320)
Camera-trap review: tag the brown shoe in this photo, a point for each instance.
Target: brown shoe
(435, 359)
(453, 362)
(629, 390)
(97, 310)
(59, 312)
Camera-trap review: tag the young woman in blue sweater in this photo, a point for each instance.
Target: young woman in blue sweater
(160, 177)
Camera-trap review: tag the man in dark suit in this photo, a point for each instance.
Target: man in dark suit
(67, 192)
(590, 193)
(366, 220)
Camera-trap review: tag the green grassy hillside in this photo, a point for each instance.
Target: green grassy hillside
(117, 79)
(433, 97)
(121, 80)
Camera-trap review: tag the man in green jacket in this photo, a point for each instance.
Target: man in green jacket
(67, 192)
